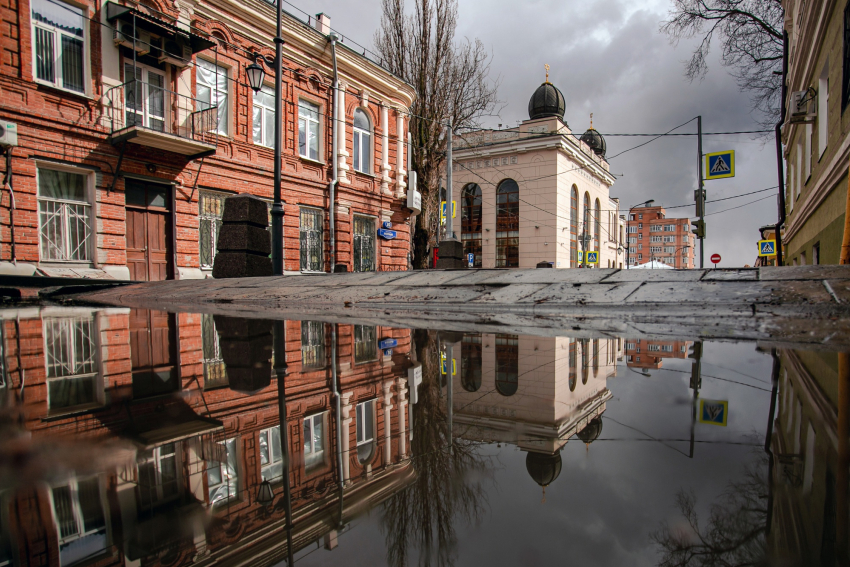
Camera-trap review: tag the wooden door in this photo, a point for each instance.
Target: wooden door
(149, 242)
(153, 352)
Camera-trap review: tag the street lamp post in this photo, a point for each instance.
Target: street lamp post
(256, 74)
(629, 218)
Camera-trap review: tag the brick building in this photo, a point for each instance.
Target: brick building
(135, 121)
(145, 452)
(650, 354)
(653, 236)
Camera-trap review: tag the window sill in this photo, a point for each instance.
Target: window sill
(63, 90)
(74, 411)
(364, 174)
(67, 264)
(312, 161)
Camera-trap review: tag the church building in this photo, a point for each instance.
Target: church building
(537, 193)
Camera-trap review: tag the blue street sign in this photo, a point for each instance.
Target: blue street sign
(714, 412)
(767, 248)
(387, 234)
(471, 259)
(719, 165)
(388, 224)
(387, 343)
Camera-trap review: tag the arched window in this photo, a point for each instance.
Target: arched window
(596, 227)
(586, 228)
(362, 142)
(573, 227)
(573, 377)
(470, 363)
(595, 357)
(507, 224)
(507, 364)
(471, 222)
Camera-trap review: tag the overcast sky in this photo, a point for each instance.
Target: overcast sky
(608, 57)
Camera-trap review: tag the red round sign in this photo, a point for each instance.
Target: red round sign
(715, 258)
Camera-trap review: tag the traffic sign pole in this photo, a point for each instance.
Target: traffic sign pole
(700, 209)
(715, 259)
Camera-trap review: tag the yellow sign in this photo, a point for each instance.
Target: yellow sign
(767, 248)
(443, 210)
(593, 257)
(580, 255)
(719, 165)
(714, 412)
(443, 365)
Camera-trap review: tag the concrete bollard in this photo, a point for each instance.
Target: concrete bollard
(244, 243)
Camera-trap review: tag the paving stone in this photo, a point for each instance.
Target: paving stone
(769, 273)
(744, 274)
(654, 276)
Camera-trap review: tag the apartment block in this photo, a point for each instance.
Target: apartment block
(654, 236)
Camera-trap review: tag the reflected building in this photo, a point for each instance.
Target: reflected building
(161, 399)
(805, 446)
(532, 392)
(642, 353)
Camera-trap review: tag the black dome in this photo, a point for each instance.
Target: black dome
(543, 468)
(591, 432)
(546, 101)
(595, 140)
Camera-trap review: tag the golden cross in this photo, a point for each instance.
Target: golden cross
(547, 72)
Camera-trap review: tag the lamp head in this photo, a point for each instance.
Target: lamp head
(256, 74)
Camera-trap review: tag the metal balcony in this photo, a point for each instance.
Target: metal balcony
(146, 113)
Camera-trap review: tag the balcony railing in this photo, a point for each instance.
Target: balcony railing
(146, 113)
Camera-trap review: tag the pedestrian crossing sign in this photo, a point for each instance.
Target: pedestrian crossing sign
(714, 412)
(443, 211)
(593, 257)
(767, 248)
(581, 255)
(719, 165)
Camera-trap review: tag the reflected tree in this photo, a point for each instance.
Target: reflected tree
(449, 481)
(737, 525)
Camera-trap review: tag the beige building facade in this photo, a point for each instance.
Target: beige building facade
(816, 144)
(536, 193)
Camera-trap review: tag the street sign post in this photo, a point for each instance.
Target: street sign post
(714, 412)
(767, 248)
(715, 259)
(720, 164)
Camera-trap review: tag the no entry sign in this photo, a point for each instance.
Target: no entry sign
(715, 259)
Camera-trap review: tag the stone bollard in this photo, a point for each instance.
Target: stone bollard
(246, 348)
(244, 243)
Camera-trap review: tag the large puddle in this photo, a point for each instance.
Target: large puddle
(135, 437)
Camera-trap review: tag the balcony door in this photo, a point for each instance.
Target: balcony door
(149, 238)
(145, 97)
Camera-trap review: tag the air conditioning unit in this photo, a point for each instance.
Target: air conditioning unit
(803, 108)
(8, 134)
(177, 52)
(123, 35)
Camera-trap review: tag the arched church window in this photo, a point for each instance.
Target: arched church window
(507, 224)
(586, 227)
(596, 227)
(507, 364)
(470, 363)
(573, 227)
(471, 222)
(362, 142)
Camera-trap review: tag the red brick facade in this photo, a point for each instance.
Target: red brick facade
(653, 236)
(112, 438)
(60, 129)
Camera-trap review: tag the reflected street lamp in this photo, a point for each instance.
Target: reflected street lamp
(265, 494)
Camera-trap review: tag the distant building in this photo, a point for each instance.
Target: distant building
(815, 140)
(653, 236)
(650, 354)
(536, 193)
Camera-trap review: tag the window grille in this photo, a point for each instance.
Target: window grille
(312, 240)
(365, 343)
(72, 364)
(211, 207)
(215, 371)
(312, 344)
(59, 39)
(364, 244)
(80, 519)
(64, 216)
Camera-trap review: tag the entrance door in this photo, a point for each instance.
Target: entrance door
(148, 231)
(153, 353)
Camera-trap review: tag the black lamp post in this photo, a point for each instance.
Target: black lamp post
(628, 244)
(256, 74)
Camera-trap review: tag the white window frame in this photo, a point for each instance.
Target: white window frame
(273, 469)
(255, 104)
(144, 93)
(222, 466)
(360, 164)
(214, 89)
(90, 203)
(57, 57)
(314, 457)
(310, 125)
(157, 458)
(91, 363)
(76, 508)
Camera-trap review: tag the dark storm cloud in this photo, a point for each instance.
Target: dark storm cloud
(609, 58)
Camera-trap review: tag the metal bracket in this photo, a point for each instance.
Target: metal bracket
(117, 173)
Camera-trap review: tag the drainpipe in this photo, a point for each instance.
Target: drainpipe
(7, 184)
(334, 159)
(780, 158)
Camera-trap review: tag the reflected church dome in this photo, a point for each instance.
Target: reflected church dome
(543, 468)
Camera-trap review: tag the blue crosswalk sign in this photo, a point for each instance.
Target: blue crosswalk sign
(767, 248)
(719, 165)
(593, 257)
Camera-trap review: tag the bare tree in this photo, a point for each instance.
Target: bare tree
(750, 32)
(452, 84)
(736, 531)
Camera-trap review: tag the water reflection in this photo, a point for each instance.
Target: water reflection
(143, 437)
